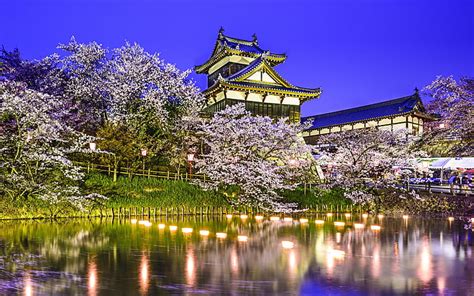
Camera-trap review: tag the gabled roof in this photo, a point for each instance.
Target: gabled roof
(227, 46)
(395, 107)
(259, 64)
(238, 81)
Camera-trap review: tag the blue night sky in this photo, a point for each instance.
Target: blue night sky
(358, 52)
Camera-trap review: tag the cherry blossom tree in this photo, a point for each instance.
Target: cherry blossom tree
(363, 163)
(251, 159)
(35, 148)
(453, 102)
(151, 97)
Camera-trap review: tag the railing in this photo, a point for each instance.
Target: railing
(448, 189)
(149, 173)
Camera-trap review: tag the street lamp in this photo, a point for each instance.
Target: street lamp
(190, 162)
(143, 153)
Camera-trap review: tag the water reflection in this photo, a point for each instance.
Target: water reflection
(190, 267)
(92, 277)
(144, 277)
(28, 285)
(245, 256)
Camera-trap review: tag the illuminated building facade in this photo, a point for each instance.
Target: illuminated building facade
(406, 113)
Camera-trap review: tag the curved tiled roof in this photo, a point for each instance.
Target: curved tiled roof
(226, 45)
(389, 108)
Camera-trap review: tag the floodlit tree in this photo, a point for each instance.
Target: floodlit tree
(34, 147)
(152, 98)
(251, 159)
(363, 162)
(453, 102)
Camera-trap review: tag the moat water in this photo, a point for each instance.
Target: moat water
(236, 256)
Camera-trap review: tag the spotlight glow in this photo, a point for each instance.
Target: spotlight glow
(329, 214)
(303, 220)
(229, 216)
(319, 222)
(258, 217)
(405, 216)
(133, 221)
(242, 238)
(204, 232)
(221, 235)
(173, 227)
(161, 226)
(358, 225)
(339, 223)
(380, 216)
(451, 219)
(274, 218)
(375, 227)
(187, 230)
(287, 245)
(288, 219)
(244, 216)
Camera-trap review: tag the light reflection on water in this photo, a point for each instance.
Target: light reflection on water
(98, 257)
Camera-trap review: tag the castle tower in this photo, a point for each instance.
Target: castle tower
(240, 71)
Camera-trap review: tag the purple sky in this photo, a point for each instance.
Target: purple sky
(359, 52)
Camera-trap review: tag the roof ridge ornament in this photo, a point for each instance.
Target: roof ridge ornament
(221, 33)
(255, 39)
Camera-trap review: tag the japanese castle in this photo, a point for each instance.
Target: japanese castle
(240, 71)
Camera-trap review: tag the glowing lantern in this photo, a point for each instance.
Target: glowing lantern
(244, 216)
(304, 220)
(339, 223)
(229, 216)
(405, 216)
(161, 226)
(319, 222)
(204, 232)
(288, 219)
(329, 214)
(451, 219)
(258, 217)
(287, 244)
(365, 215)
(187, 230)
(133, 221)
(358, 225)
(375, 227)
(275, 218)
(173, 227)
(221, 235)
(242, 238)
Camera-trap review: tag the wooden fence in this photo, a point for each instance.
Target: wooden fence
(160, 172)
(149, 212)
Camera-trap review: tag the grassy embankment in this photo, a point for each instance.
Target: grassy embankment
(143, 195)
(139, 193)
